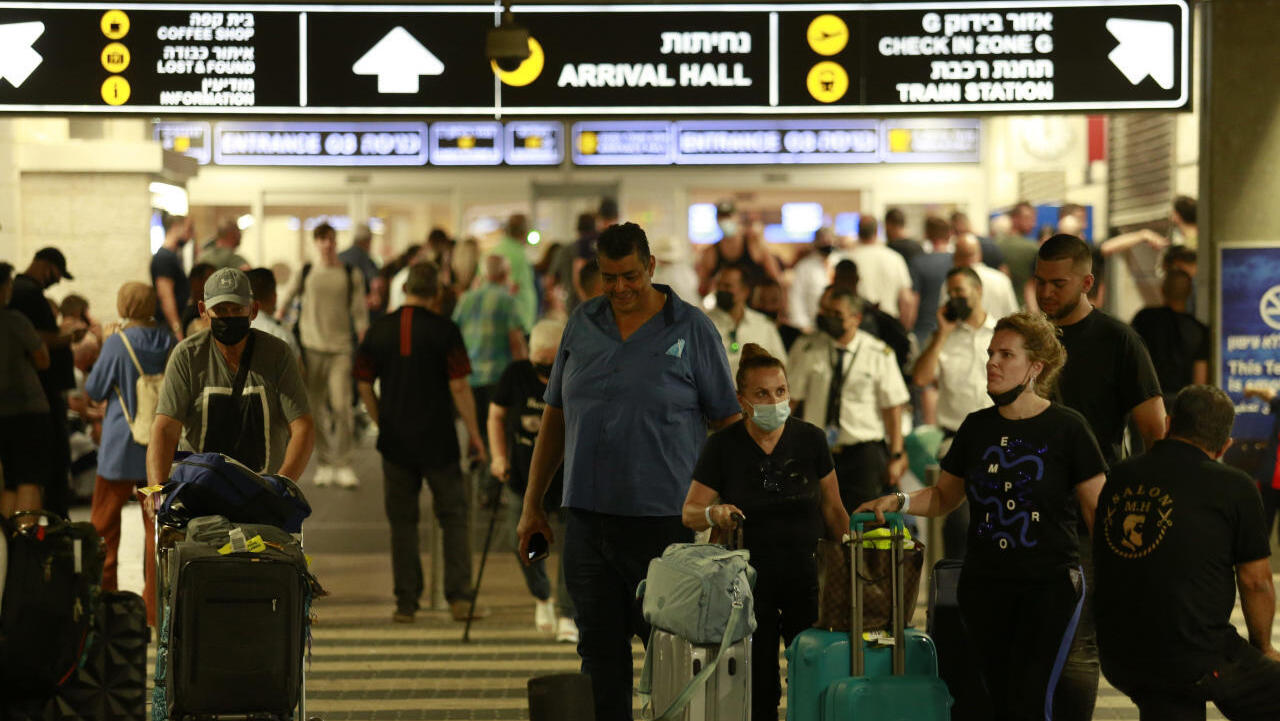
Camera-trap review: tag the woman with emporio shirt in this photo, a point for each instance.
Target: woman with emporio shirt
(1029, 467)
(777, 472)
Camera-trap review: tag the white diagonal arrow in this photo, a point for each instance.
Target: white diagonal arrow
(1146, 48)
(17, 59)
(398, 59)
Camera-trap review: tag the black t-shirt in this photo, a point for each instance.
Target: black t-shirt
(1172, 526)
(415, 353)
(907, 248)
(28, 299)
(1020, 477)
(1175, 341)
(168, 264)
(780, 492)
(1108, 372)
(520, 392)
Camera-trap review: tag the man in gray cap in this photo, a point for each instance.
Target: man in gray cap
(232, 390)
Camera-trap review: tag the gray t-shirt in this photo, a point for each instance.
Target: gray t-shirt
(20, 389)
(197, 370)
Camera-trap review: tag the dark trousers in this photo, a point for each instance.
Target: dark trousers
(605, 558)
(786, 603)
(1021, 631)
(1245, 686)
(401, 486)
(57, 489)
(1078, 691)
(862, 471)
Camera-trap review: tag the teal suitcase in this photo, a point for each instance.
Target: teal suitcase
(817, 657)
(897, 697)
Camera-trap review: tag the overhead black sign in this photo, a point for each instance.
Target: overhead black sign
(759, 59)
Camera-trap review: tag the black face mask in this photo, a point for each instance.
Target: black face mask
(724, 300)
(957, 310)
(1009, 396)
(770, 314)
(542, 369)
(832, 325)
(229, 331)
(825, 250)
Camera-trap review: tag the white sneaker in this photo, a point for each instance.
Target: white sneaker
(566, 631)
(346, 478)
(544, 616)
(325, 476)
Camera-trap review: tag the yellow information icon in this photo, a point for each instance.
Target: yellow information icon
(827, 82)
(115, 90)
(528, 70)
(587, 143)
(115, 57)
(828, 35)
(115, 24)
(900, 140)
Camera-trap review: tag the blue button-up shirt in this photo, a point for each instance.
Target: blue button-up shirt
(636, 411)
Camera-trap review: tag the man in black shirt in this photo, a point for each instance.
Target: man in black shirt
(1176, 534)
(47, 268)
(422, 363)
(1108, 377)
(173, 288)
(1179, 344)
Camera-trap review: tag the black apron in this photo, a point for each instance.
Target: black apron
(234, 423)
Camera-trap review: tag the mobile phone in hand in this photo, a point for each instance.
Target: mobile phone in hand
(538, 548)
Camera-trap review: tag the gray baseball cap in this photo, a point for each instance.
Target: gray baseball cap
(227, 285)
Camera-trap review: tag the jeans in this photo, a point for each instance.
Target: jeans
(1078, 691)
(605, 558)
(329, 392)
(535, 574)
(402, 484)
(1245, 686)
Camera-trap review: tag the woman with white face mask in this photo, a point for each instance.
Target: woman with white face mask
(777, 472)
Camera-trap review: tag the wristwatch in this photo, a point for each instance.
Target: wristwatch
(903, 499)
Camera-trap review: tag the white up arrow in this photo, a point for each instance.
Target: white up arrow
(398, 59)
(17, 59)
(1146, 48)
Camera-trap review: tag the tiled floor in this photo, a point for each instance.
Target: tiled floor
(365, 667)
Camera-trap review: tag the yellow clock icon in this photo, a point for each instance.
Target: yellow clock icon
(828, 35)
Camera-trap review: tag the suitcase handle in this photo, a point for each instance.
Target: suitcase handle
(897, 533)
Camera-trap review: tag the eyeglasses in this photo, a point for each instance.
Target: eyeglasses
(775, 477)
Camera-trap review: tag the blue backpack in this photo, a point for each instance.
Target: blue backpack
(213, 484)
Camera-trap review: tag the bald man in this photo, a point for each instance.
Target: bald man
(997, 291)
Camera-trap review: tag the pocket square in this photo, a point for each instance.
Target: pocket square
(677, 349)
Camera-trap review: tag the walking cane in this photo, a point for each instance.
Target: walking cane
(488, 540)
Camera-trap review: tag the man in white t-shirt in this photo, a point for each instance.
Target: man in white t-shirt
(332, 319)
(886, 282)
(809, 277)
(997, 290)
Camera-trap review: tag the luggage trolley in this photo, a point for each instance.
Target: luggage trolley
(167, 580)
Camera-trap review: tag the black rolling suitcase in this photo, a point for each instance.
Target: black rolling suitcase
(111, 685)
(236, 634)
(957, 663)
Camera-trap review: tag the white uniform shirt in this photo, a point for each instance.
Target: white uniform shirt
(882, 274)
(872, 383)
(962, 373)
(809, 279)
(754, 328)
(997, 292)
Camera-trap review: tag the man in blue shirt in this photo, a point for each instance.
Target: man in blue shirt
(639, 377)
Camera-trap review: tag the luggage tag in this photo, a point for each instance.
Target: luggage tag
(238, 543)
(879, 638)
(150, 490)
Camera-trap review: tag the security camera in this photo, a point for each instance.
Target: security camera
(508, 44)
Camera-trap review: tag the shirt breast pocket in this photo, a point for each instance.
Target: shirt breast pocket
(862, 387)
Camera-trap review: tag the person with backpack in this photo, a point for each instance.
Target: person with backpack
(127, 376)
(332, 319)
